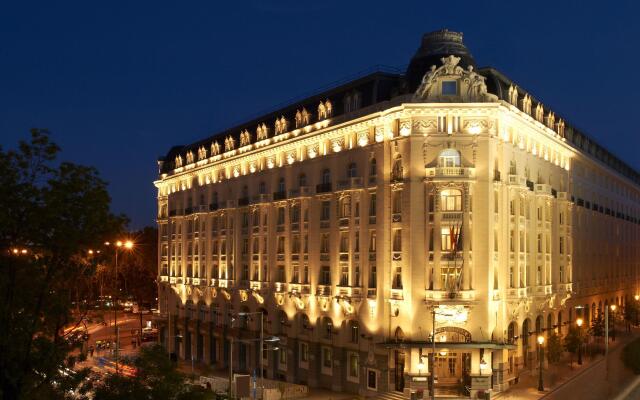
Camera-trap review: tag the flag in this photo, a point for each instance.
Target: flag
(452, 237)
(458, 245)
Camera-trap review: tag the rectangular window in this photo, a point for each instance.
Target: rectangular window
(326, 357)
(304, 352)
(372, 242)
(281, 275)
(372, 205)
(373, 277)
(325, 211)
(449, 88)
(353, 365)
(280, 244)
(325, 275)
(324, 243)
(280, 215)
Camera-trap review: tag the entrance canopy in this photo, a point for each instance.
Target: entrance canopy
(413, 344)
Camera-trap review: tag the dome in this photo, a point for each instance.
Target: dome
(434, 46)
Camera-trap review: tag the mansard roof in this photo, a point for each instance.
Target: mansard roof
(383, 84)
(500, 85)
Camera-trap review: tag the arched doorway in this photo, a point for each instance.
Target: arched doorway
(399, 360)
(452, 366)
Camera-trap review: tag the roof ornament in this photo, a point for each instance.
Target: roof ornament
(513, 95)
(281, 125)
(324, 110)
(245, 138)
(229, 143)
(202, 153)
(189, 157)
(540, 113)
(262, 131)
(302, 118)
(215, 149)
(178, 161)
(526, 104)
(469, 85)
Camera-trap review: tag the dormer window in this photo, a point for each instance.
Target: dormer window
(449, 88)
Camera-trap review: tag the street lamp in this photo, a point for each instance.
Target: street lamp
(579, 323)
(540, 383)
(128, 245)
(613, 322)
(637, 297)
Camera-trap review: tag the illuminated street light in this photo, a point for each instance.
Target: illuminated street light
(540, 383)
(127, 245)
(579, 322)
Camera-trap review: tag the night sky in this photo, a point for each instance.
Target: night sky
(119, 83)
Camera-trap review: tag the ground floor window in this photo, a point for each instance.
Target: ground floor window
(372, 379)
(326, 357)
(304, 352)
(353, 365)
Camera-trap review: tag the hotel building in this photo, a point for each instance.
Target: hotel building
(355, 218)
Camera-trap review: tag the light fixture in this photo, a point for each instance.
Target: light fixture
(541, 340)
(613, 307)
(637, 297)
(579, 322)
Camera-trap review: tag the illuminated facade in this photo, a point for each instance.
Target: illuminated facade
(350, 217)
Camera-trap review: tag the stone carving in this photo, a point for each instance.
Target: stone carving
(245, 138)
(560, 127)
(324, 110)
(202, 153)
(551, 120)
(281, 125)
(302, 118)
(215, 149)
(526, 104)
(476, 88)
(262, 131)
(229, 143)
(539, 113)
(513, 95)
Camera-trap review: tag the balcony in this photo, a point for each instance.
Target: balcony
(459, 173)
(324, 187)
(459, 296)
(279, 195)
(353, 183)
(228, 204)
(349, 291)
(515, 180)
(543, 189)
(243, 202)
(372, 292)
(323, 290)
(261, 198)
(301, 288)
(452, 216)
(213, 206)
(164, 278)
(302, 191)
(542, 290)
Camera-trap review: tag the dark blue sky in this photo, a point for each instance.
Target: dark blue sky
(119, 83)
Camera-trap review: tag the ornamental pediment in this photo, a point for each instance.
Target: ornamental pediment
(450, 83)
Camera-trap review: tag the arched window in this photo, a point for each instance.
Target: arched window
(373, 167)
(302, 180)
(326, 176)
(396, 172)
(449, 158)
(352, 170)
(539, 324)
(304, 322)
(398, 335)
(451, 200)
(549, 322)
(560, 322)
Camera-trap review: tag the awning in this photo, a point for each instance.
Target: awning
(423, 344)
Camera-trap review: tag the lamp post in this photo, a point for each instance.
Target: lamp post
(579, 322)
(637, 297)
(540, 383)
(128, 245)
(613, 322)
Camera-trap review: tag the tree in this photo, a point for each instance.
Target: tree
(140, 267)
(51, 212)
(554, 348)
(597, 326)
(157, 378)
(573, 341)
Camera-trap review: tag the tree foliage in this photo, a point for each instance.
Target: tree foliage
(554, 348)
(597, 326)
(573, 340)
(55, 211)
(157, 379)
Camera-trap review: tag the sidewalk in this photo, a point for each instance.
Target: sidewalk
(587, 381)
